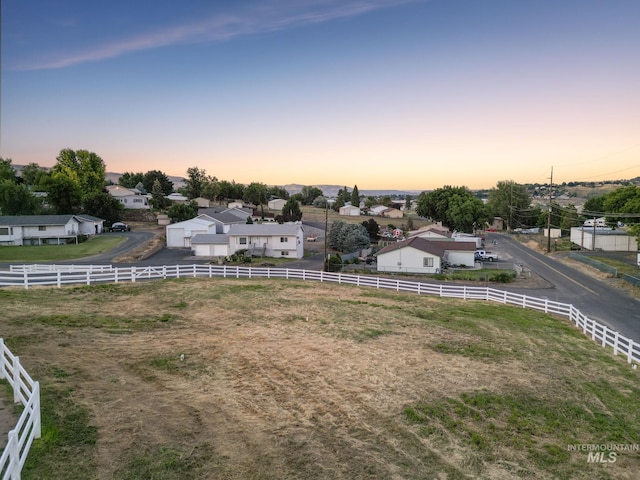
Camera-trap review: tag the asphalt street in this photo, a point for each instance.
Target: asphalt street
(610, 306)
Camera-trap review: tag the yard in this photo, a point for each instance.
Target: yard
(52, 253)
(275, 379)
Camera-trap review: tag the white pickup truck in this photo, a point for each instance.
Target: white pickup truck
(483, 255)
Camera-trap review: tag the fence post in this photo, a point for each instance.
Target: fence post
(630, 350)
(26, 280)
(615, 342)
(37, 423)
(604, 336)
(14, 454)
(3, 368)
(88, 277)
(133, 274)
(16, 379)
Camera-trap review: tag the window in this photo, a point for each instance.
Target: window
(42, 228)
(4, 231)
(284, 253)
(137, 200)
(243, 240)
(284, 239)
(427, 262)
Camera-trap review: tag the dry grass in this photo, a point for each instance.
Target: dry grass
(302, 380)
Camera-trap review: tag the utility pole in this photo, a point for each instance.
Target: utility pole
(549, 216)
(326, 232)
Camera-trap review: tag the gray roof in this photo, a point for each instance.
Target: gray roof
(210, 239)
(24, 220)
(265, 229)
(91, 218)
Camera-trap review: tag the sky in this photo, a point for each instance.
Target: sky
(382, 94)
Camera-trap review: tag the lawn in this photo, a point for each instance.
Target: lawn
(276, 379)
(52, 253)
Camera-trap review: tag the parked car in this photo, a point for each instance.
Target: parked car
(120, 227)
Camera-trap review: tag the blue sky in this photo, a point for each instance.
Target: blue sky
(411, 94)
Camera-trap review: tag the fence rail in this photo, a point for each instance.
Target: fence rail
(27, 392)
(599, 333)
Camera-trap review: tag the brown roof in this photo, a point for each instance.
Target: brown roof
(433, 247)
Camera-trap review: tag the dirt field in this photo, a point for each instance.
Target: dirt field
(235, 380)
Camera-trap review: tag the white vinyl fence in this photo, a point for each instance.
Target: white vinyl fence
(27, 392)
(31, 277)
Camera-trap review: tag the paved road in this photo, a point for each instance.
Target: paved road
(593, 297)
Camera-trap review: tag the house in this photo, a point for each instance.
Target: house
(260, 240)
(604, 239)
(177, 198)
(202, 202)
(431, 231)
(419, 255)
(179, 234)
(276, 204)
(47, 229)
(391, 213)
(268, 239)
(377, 210)
(350, 211)
(129, 197)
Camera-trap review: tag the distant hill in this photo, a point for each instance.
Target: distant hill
(332, 190)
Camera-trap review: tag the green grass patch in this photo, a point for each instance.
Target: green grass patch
(52, 253)
(470, 349)
(538, 429)
(165, 463)
(66, 447)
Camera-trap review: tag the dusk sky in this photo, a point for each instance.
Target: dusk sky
(383, 94)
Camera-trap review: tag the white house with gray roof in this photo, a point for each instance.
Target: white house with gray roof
(47, 229)
(260, 240)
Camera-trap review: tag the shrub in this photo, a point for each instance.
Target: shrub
(502, 277)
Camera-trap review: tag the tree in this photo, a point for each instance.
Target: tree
(320, 202)
(103, 205)
(356, 238)
(569, 219)
(309, 194)
(84, 168)
(348, 237)
(372, 228)
(180, 212)
(33, 175)
(291, 211)
(509, 201)
(7, 172)
(16, 199)
(342, 198)
(355, 197)
(335, 237)
(211, 190)
(130, 179)
(455, 207)
(256, 193)
(158, 199)
(63, 193)
(407, 202)
(230, 190)
(151, 176)
(196, 181)
(278, 192)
